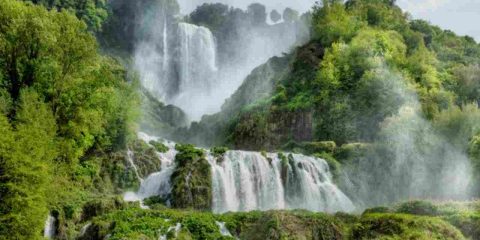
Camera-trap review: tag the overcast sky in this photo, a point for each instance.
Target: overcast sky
(460, 16)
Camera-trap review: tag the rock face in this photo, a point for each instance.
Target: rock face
(159, 118)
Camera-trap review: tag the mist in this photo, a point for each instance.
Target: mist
(410, 159)
(196, 68)
(279, 5)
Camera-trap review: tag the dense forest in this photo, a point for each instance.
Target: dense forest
(389, 105)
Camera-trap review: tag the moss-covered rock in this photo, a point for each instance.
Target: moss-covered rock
(467, 223)
(101, 206)
(145, 156)
(219, 153)
(285, 225)
(160, 147)
(351, 151)
(319, 147)
(191, 180)
(423, 208)
(398, 226)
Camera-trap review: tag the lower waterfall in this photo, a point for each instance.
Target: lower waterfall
(246, 181)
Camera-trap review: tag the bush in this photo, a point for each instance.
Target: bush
(160, 147)
(319, 147)
(418, 208)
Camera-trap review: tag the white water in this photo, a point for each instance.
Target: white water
(223, 230)
(132, 163)
(246, 181)
(84, 229)
(197, 69)
(49, 230)
(177, 63)
(157, 184)
(175, 228)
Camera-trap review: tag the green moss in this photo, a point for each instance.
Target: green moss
(145, 156)
(219, 153)
(319, 147)
(398, 226)
(160, 147)
(418, 208)
(377, 210)
(352, 151)
(100, 206)
(467, 223)
(156, 202)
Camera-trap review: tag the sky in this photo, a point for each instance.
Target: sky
(460, 16)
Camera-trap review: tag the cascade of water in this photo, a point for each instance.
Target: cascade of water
(156, 184)
(246, 181)
(197, 68)
(84, 229)
(49, 230)
(175, 228)
(132, 163)
(223, 230)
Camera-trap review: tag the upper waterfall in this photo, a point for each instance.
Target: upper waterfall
(177, 64)
(196, 61)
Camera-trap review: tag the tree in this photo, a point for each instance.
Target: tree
(59, 99)
(275, 16)
(332, 23)
(290, 15)
(257, 13)
(26, 164)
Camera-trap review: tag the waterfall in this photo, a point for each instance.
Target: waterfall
(49, 230)
(196, 61)
(177, 63)
(245, 181)
(175, 228)
(135, 169)
(223, 230)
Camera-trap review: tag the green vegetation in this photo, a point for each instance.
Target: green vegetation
(63, 107)
(365, 61)
(160, 147)
(92, 12)
(67, 118)
(380, 223)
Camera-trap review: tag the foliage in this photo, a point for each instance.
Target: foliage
(332, 23)
(160, 147)
(92, 12)
(219, 152)
(418, 208)
(257, 13)
(275, 16)
(372, 60)
(26, 156)
(290, 15)
(378, 226)
(60, 101)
